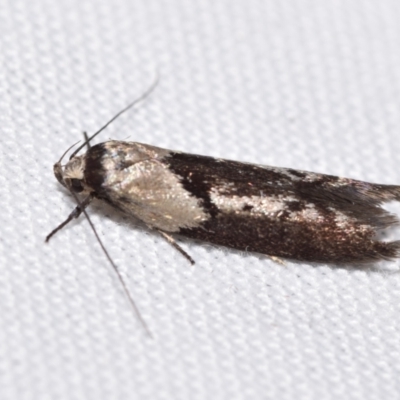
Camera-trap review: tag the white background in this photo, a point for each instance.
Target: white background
(306, 84)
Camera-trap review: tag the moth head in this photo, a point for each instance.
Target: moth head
(71, 175)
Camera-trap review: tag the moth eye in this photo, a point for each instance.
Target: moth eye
(76, 185)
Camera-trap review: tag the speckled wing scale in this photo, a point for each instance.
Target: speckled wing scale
(274, 211)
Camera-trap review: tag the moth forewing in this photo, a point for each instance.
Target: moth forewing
(274, 211)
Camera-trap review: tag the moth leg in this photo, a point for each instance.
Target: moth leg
(87, 140)
(173, 243)
(77, 211)
(278, 260)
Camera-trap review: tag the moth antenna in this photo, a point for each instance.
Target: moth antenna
(126, 291)
(69, 148)
(143, 97)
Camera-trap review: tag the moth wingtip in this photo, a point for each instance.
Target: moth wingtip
(391, 250)
(395, 190)
(396, 247)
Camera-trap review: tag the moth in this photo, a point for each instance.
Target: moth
(279, 212)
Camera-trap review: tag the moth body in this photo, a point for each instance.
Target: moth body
(274, 211)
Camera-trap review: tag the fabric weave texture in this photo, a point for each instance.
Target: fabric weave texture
(303, 84)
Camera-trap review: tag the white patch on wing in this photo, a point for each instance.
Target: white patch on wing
(310, 213)
(150, 191)
(342, 220)
(272, 206)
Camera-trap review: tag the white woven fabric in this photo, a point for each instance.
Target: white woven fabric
(307, 84)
